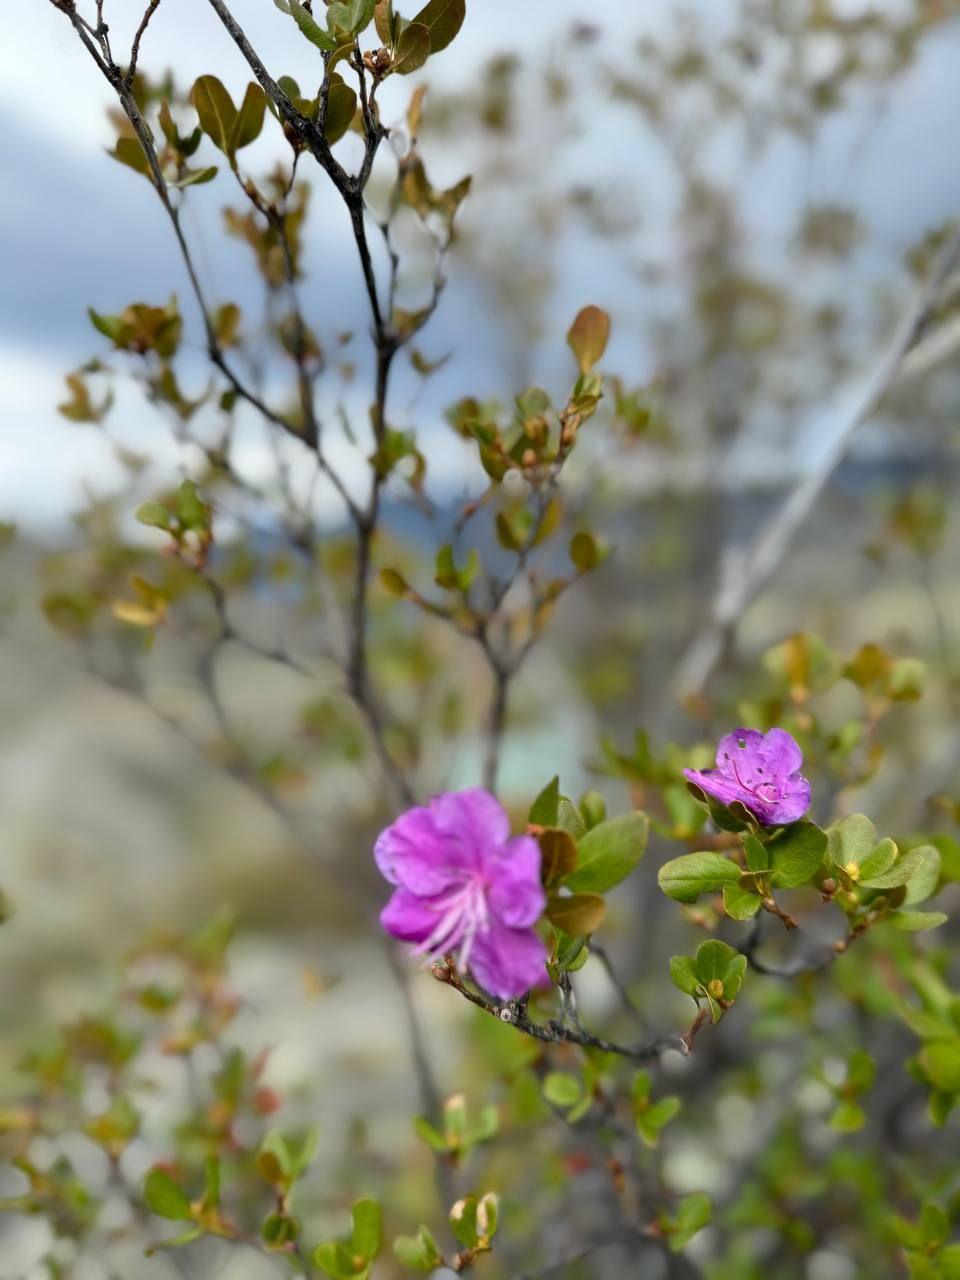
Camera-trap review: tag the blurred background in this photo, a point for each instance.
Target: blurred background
(753, 191)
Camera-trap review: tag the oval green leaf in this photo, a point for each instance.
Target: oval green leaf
(608, 852)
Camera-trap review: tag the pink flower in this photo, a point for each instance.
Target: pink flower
(761, 770)
(464, 885)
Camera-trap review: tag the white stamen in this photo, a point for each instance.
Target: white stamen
(464, 915)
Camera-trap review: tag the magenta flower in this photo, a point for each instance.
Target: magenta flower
(464, 885)
(762, 771)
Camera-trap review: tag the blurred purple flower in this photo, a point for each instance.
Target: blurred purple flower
(464, 885)
(761, 770)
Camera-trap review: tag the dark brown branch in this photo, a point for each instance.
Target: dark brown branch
(310, 132)
(215, 351)
(515, 1015)
(386, 344)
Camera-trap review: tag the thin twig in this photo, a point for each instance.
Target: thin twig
(809, 963)
(626, 1000)
(135, 47)
(515, 1015)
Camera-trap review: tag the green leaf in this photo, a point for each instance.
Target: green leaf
(917, 862)
(640, 1089)
(715, 973)
(214, 106)
(733, 979)
(129, 152)
(934, 1224)
(488, 1216)
(249, 119)
(851, 839)
(917, 921)
(796, 854)
(308, 27)
(175, 1242)
(585, 552)
(608, 852)
(442, 19)
(413, 49)
(279, 1230)
(508, 536)
(419, 1252)
(881, 859)
(861, 1071)
(155, 515)
(448, 576)
(425, 1130)
(383, 18)
(195, 177)
(740, 903)
(568, 817)
(594, 809)
(165, 1198)
(455, 1117)
(393, 582)
(684, 879)
(941, 1063)
(284, 1157)
(693, 1214)
(463, 1221)
(714, 959)
(848, 1117)
(350, 16)
(335, 1259)
(588, 337)
(924, 882)
(543, 811)
(341, 108)
(683, 975)
(571, 953)
(758, 858)
(577, 914)
(654, 1118)
(367, 1229)
(290, 87)
(562, 1089)
(110, 326)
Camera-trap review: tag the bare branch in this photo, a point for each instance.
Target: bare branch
(515, 1015)
(311, 133)
(135, 47)
(747, 574)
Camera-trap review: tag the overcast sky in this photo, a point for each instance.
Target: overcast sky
(76, 228)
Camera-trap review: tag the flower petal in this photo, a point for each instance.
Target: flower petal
(474, 819)
(793, 805)
(417, 853)
(780, 753)
(506, 962)
(732, 755)
(717, 784)
(409, 916)
(513, 872)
